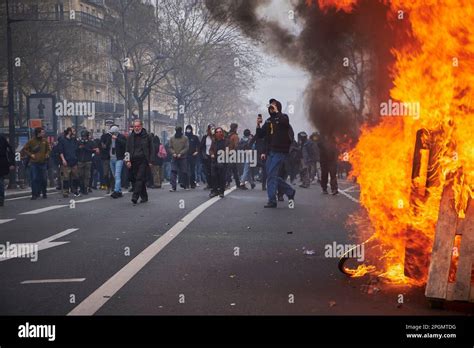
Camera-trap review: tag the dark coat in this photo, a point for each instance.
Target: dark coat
(68, 148)
(277, 133)
(328, 152)
(104, 146)
(7, 156)
(155, 160)
(146, 143)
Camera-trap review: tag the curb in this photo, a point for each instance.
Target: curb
(13, 194)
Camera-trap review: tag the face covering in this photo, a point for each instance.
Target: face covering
(188, 131)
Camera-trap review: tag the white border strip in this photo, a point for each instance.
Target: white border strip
(44, 281)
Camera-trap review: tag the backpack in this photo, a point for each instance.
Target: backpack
(162, 152)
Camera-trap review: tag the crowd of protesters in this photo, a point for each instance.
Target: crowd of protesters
(113, 162)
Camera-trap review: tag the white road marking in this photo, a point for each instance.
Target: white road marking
(42, 210)
(14, 199)
(43, 281)
(89, 199)
(43, 244)
(53, 207)
(349, 196)
(350, 188)
(5, 221)
(105, 292)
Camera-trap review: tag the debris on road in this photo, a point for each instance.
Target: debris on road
(332, 303)
(309, 252)
(289, 232)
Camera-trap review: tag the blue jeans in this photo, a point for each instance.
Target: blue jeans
(38, 179)
(116, 168)
(247, 174)
(275, 183)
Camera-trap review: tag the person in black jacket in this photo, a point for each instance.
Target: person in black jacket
(105, 142)
(84, 155)
(68, 148)
(328, 155)
(277, 133)
(193, 153)
(218, 168)
(117, 148)
(139, 152)
(7, 163)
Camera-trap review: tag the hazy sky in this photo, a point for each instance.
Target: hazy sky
(280, 80)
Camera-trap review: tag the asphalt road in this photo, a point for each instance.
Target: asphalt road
(183, 254)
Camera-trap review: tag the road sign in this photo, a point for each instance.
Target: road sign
(36, 123)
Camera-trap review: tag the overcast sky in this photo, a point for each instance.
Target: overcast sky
(280, 80)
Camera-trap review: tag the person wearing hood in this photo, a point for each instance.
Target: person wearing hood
(192, 157)
(84, 156)
(278, 136)
(179, 146)
(139, 151)
(205, 146)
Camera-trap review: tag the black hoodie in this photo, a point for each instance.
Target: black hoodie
(276, 132)
(193, 143)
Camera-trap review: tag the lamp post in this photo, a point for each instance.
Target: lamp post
(11, 107)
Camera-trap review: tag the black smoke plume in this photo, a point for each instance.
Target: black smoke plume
(328, 36)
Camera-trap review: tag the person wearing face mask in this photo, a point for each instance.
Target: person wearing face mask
(192, 155)
(179, 146)
(278, 135)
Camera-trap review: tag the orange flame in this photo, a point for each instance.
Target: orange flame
(436, 71)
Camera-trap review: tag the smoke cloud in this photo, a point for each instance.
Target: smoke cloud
(327, 38)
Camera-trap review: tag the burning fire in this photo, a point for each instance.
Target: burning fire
(436, 70)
